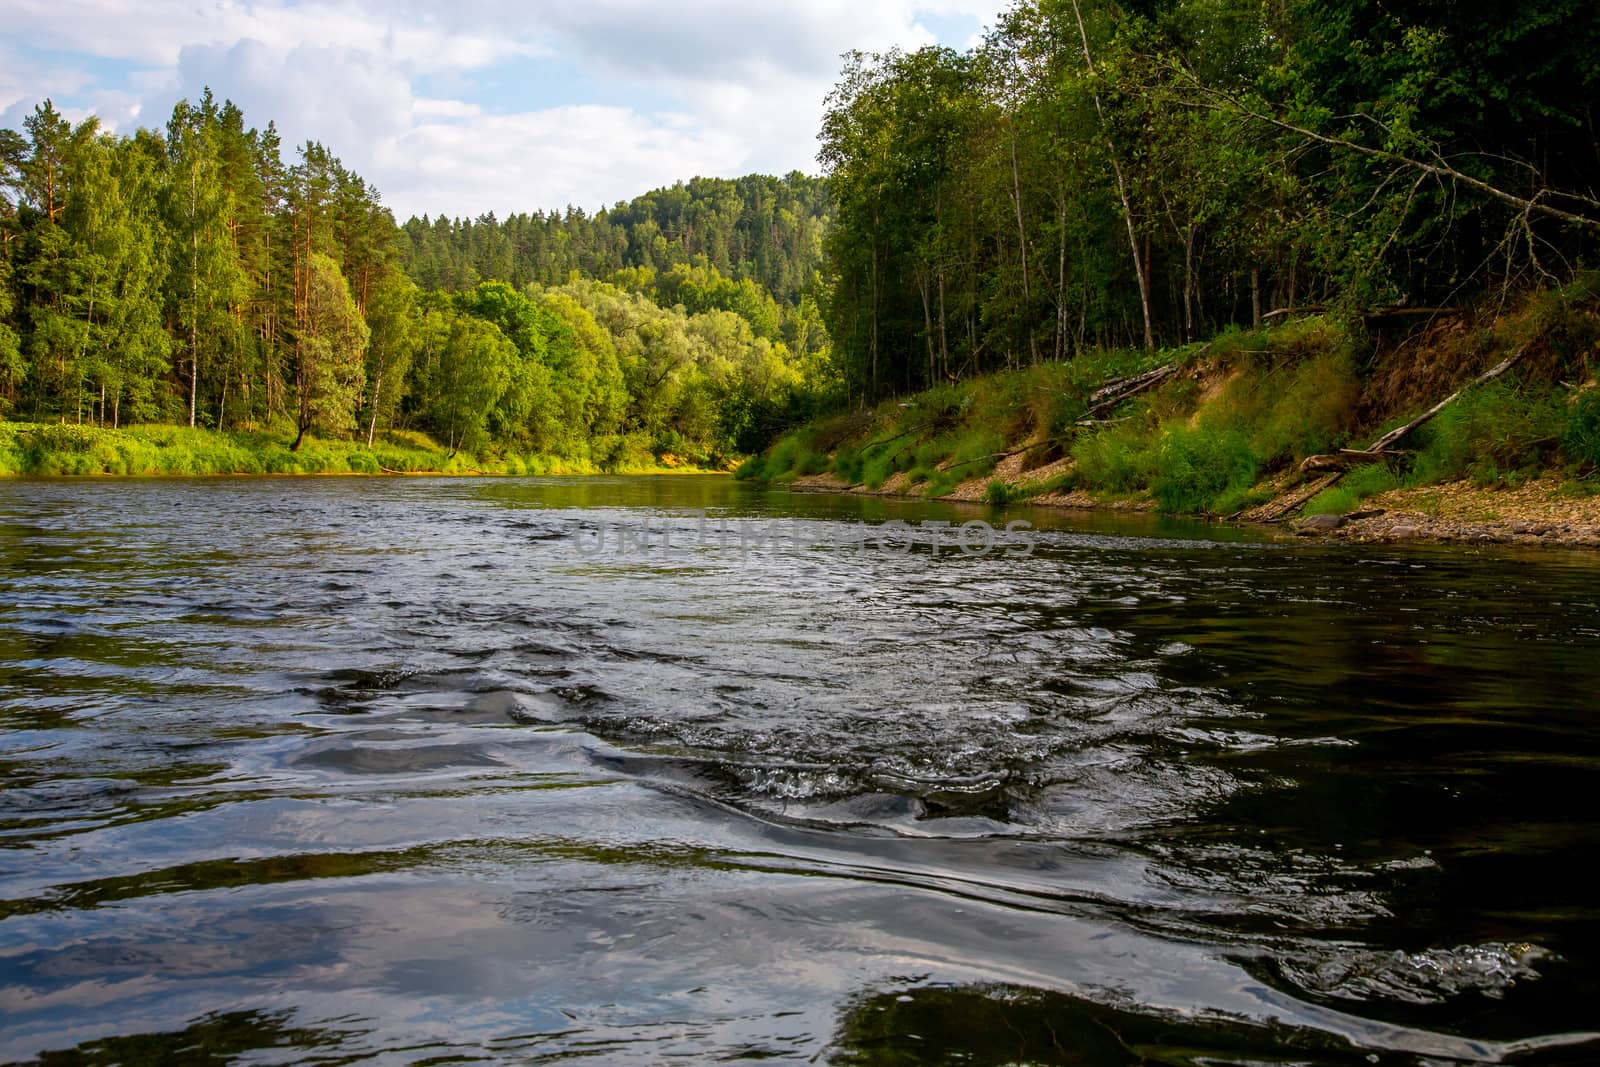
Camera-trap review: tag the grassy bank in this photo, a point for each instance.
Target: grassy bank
(1230, 429)
(52, 450)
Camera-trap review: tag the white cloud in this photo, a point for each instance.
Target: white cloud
(733, 85)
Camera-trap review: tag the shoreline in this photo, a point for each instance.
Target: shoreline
(1536, 515)
(671, 472)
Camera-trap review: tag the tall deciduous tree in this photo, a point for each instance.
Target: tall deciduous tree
(331, 344)
(206, 280)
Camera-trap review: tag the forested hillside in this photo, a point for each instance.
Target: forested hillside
(1101, 174)
(196, 276)
(764, 230)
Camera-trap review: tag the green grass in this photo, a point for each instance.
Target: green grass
(1000, 492)
(1201, 470)
(878, 469)
(848, 465)
(161, 450)
(1499, 433)
(1580, 437)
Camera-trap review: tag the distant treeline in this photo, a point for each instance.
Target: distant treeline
(760, 229)
(194, 276)
(1144, 172)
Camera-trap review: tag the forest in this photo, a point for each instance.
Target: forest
(1093, 176)
(1144, 174)
(195, 277)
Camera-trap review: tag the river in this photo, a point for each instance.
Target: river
(638, 770)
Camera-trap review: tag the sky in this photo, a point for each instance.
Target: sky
(480, 105)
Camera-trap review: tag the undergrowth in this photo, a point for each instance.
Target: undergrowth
(1247, 407)
(162, 450)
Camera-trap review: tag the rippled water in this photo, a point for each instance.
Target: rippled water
(434, 770)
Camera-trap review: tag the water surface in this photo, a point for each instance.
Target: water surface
(423, 771)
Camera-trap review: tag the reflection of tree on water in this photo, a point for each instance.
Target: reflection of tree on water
(991, 1026)
(218, 1038)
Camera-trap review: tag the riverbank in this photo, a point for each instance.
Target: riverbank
(43, 450)
(1456, 426)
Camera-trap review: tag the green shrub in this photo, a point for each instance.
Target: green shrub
(847, 465)
(977, 451)
(1491, 434)
(1310, 408)
(999, 492)
(753, 469)
(1120, 459)
(362, 462)
(810, 462)
(940, 483)
(1370, 479)
(878, 469)
(930, 454)
(781, 460)
(1203, 470)
(1361, 482)
(1580, 437)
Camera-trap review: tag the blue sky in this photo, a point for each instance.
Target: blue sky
(480, 105)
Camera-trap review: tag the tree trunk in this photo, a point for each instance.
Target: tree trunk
(1188, 283)
(194, 291)
(927, 321)
(1061, 276)
(873, 344)
(1140, 267)
(377, 391)
(944, 337)
(1022, 242)
(1255, 296)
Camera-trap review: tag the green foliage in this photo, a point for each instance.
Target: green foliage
(1495, 433)
(1201, 470)
(782, 459)
(999, 492)
(767, 230)
(1338, 500)
(877, 469)
(1580, 438)
(198, 276)
(1357, 485)
(1121, 459)
(848, 465)
(166, 450)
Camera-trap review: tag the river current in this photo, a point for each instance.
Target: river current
(643, 770)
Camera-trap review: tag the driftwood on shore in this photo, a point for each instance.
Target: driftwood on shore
(1333, 467)
(1295, 499)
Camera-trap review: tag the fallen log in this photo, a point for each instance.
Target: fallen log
(1284, 505)
(1308, 309)
(1408, 312)
(1312, 464)
(1113, 393)
(1116, 386)
(1382, 444)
